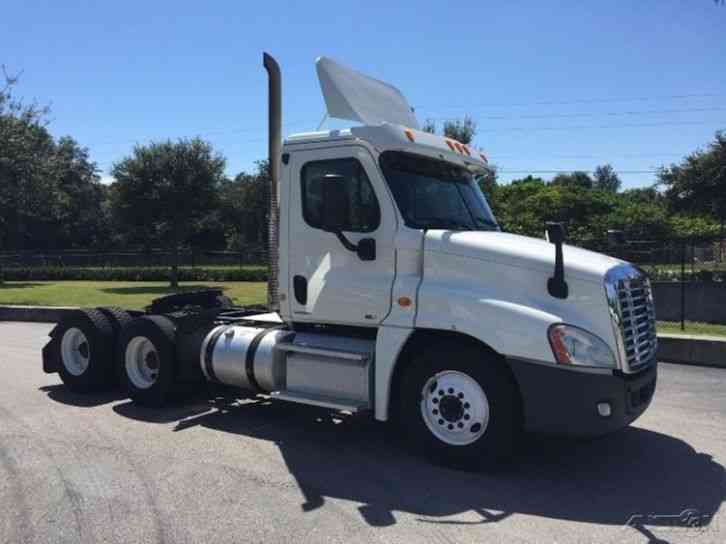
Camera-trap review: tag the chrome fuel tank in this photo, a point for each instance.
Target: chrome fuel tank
(245, 357)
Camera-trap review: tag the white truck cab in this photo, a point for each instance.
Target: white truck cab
(394, 291)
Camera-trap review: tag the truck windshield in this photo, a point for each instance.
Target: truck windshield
(435, 194)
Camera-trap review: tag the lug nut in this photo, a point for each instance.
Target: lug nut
(441, 422)
(466, 405)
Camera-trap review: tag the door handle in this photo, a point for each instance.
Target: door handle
(300, 288)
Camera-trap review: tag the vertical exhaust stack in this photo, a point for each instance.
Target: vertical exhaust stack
(275, 147)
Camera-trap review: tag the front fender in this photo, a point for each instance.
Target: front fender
(510, 328)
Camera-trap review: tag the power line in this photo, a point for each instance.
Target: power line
(591, 101)
(578, 115)
(571, 170)
(210, 132)
(587, 127)
(491, 153)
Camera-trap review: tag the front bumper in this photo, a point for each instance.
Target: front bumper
(559, 400)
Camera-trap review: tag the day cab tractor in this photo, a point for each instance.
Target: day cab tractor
(393, 292)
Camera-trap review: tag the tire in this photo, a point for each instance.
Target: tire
(460, 406)
(85, 348)
(146, 358)
(117, 317)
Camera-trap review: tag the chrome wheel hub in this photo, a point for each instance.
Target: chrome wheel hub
(142, 362)
(75, 352)
(455, 408)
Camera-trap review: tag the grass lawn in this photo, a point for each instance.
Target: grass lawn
(692, 327)
(133, 295)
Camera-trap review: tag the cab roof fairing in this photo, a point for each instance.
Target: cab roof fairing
(389, 137)
(395, 137)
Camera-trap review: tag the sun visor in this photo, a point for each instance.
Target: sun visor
(356, 97)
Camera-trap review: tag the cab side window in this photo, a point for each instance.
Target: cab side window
(365, 214)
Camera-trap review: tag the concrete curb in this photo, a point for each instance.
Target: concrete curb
(672, 348)
(692, 350)
(36, 314)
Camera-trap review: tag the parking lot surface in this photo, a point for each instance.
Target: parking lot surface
(227, 469)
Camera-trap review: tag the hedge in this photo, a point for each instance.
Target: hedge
(131, 274)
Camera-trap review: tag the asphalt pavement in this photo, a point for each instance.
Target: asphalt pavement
(221, 468)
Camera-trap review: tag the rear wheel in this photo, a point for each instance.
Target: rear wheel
(460, 406)
(146, 355)
(86, 358)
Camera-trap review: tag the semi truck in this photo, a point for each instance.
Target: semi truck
(393, 292)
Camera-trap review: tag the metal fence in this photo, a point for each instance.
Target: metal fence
(688, 275)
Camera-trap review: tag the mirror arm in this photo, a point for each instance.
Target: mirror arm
(347, 244)
(556, 285)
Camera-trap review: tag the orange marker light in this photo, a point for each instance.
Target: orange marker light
(404, 302)
(451, 145)
(459, 147)
(409, 135)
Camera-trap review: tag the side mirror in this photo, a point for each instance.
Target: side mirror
(616, 238)
(555, 232)
(336, 205)
(366, 249)
(556, 285)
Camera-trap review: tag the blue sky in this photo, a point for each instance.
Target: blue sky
(552, 85)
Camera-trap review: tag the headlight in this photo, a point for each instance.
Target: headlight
(574, 346)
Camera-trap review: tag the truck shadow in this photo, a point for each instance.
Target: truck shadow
(635, 477)
(60, 393)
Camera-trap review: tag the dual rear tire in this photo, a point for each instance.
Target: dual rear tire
(146, 356)
(96, 350)
(85, 354)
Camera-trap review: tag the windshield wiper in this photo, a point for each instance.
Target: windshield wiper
(450, 224)
(485, 221)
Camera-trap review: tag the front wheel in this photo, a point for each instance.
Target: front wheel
(463, 413)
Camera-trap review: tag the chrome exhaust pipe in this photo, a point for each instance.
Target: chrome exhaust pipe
(274, 151)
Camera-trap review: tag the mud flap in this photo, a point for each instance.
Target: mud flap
(51, 356)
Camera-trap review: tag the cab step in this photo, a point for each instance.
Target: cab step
(320, 400)
(361, 357)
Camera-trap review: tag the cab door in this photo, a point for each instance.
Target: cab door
(330, 280)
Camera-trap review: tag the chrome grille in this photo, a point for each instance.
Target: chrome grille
(635, 318)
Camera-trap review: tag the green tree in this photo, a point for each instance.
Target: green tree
(698, 184)
(27, 191)
(245, 206)
(83, 219)
(169, 186)
(606, 179)
(461, 130)
(50, 195)
(429, 126)
(573, 179)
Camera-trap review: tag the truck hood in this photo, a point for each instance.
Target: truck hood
(519, 251)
